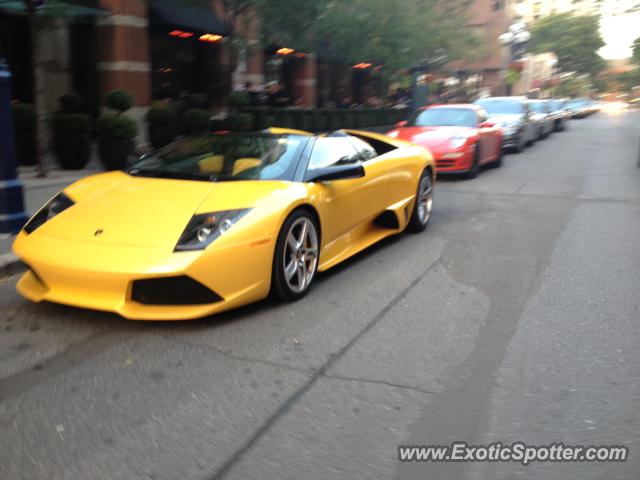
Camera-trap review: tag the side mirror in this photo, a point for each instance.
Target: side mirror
(487, 125)
(401, 124)
(337, 172)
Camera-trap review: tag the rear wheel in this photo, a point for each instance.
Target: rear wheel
(424, 204)
(296, 257)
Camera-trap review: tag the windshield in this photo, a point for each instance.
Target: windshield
(225, 157)
(501, 107)
(538, 107)
(434, 117)
(556, 105)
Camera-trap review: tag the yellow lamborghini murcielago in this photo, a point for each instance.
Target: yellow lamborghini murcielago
(221, 220)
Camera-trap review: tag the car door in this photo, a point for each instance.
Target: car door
(345, 204)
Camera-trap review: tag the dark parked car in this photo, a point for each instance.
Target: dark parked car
(513, 115)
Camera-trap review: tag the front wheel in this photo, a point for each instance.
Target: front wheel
(295, 261)
(424, 204)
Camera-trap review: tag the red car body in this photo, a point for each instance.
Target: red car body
(482, 140)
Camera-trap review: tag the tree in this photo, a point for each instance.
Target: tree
(369, 30)
(635, 49)
(574, 39)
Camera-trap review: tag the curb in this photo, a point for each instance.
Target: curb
(10, 265)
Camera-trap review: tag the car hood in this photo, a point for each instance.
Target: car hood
(506, 119)
(431, 137)
(119, 209)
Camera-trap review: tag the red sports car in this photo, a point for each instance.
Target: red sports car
(458, 135)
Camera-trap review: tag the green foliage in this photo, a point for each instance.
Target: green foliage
(119, 100)
(512, 76)
(573, 86)
(24, 117)
(71, 103)
(116, 127)
(239, 122)
(197, 101)
(399, 35)
(322, 120)
(635, 49)
(574, 39)
(239, 100)
(196, 120)
(161, 114)
(64, 123)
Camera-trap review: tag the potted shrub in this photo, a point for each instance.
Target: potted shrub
(116, 131)
(71, 139)
(239, 122)
(197, 100)
(196, 120)
(161, 120)
(115, 140)
(24, 122)
(239, 101)
(71, 127)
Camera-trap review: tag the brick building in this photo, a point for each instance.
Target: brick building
(154, 49)
(488, 19)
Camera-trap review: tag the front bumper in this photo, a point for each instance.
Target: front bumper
(512, 139)
(99, 277)
(461, 164)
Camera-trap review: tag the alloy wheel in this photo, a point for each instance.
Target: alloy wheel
(425, 199)
(300, 258)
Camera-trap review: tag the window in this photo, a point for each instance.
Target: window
(225, 158)
(366, 151)
(447, 116)
(498, 5)
(332, 151)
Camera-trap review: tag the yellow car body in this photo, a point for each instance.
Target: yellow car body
(122, 229)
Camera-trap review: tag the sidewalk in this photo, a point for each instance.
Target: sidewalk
(36, 192)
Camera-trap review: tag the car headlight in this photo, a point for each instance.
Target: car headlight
(53, 207)
(512, 128)
(393, 134)
(457, 141)
(206, 227)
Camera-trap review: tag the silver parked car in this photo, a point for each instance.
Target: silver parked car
(560, 114)
(513, 116)
(541, 115)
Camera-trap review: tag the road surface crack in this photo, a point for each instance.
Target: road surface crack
(380, 382)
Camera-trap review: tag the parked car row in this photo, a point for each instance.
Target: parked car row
(581, 107)
(463, 137)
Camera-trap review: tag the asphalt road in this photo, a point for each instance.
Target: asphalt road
(516, 316)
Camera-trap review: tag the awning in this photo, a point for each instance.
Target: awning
(69, 8)
(177, 15)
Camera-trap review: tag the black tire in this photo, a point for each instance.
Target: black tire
(418, 222)
(475, 165)
(520, 146)
(280, 286)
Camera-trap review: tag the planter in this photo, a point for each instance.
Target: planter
(25, 148)
(114, 153)
(161, 135)
(72, 151)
